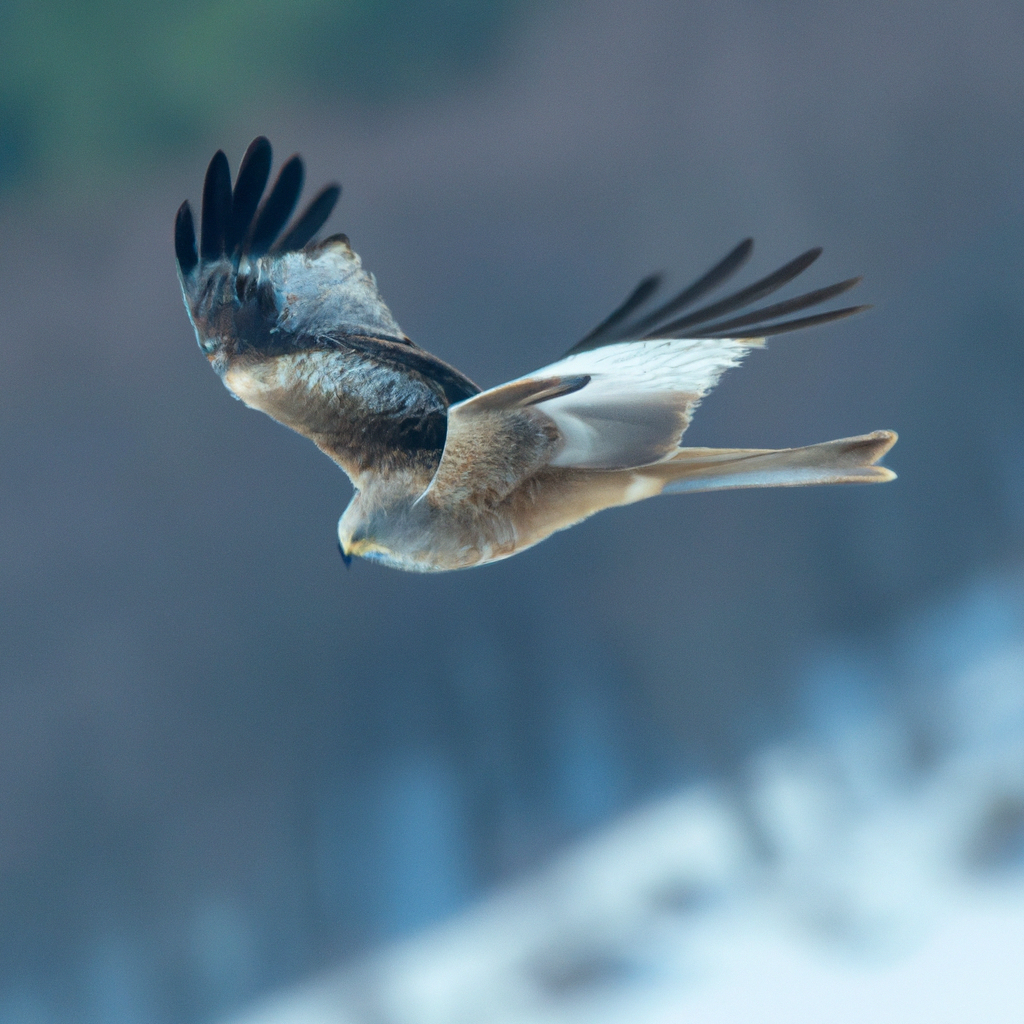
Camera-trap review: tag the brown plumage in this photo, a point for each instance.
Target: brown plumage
(446, 475)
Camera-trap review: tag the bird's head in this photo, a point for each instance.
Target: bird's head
(358, 531)
(379, 528)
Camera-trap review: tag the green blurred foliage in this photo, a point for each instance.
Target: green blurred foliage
(89, 86)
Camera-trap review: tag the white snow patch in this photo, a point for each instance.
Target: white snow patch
(852, 878)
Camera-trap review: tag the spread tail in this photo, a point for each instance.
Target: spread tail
(850, 460)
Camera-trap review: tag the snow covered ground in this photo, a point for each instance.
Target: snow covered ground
(870, 868)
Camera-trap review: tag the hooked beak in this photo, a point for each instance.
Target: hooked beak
(345, 556)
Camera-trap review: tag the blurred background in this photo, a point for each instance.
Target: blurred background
(227, 765)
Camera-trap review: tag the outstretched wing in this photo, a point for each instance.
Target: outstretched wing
(623, 396)
(298, 329)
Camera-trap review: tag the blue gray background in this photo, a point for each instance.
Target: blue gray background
(225, 762)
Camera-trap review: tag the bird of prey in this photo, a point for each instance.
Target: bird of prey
(446, 475)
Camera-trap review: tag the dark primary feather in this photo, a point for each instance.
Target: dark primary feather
(216, 206)
(602, 333)
(185, 239)
(753, 292)
(778, 309)
(605, 334)
(249, 186)
(767, 330)
(234, 223)
(276, 209)
(311, 221)
(718, 274)
(652, 325)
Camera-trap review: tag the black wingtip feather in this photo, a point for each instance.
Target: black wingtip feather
(757, 290)
(652, 325)
(600, 334)
(185, 239)
(767, 331)
(234, 222)
(216, 206)
(718, 274)
(614, 328)
(249, 185)
(311, 221)
(773, 312)
(277, 208)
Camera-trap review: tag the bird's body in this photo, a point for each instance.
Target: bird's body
(446, 475)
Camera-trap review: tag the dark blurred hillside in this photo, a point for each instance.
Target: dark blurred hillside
(224, 761)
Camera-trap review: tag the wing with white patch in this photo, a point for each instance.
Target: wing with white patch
(616, 407)
(638, 401)
(622, 397)
(649, 366)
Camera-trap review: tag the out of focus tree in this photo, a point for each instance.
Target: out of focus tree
(86, 88)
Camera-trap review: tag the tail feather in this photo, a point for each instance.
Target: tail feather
(849, 460)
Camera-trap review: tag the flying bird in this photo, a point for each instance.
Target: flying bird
(447, 475)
